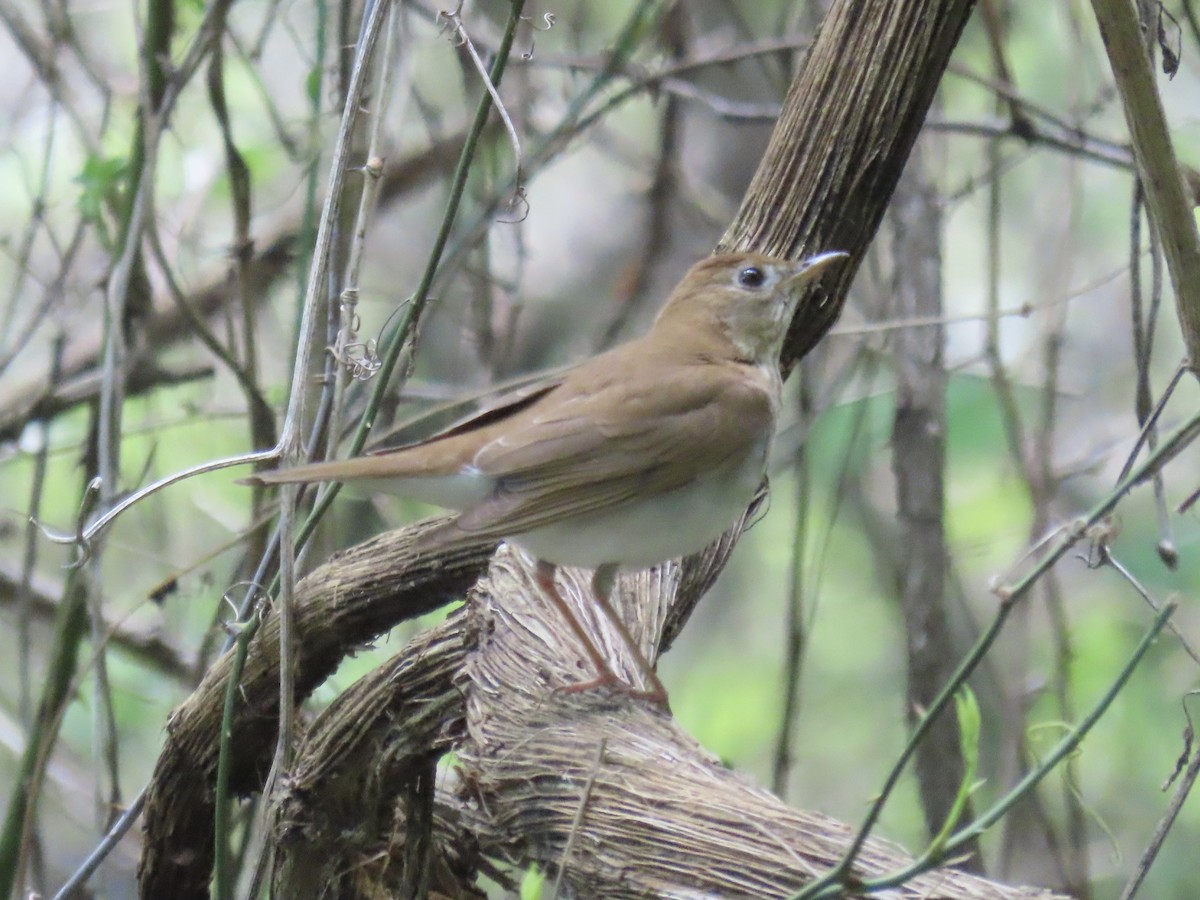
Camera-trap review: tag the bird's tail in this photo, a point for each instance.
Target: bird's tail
(332, 470)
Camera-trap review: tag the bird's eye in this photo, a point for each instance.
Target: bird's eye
(751, 277)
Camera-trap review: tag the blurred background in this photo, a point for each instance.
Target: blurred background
(1053, 315)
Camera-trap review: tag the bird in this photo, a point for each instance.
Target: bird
(641, 454)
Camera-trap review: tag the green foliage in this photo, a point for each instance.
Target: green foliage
(312, 84)
(100, 182)
(969, 726)
(533, 883)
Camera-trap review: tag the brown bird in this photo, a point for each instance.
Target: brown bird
(642, 454)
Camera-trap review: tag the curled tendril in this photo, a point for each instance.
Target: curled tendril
(549, 19)
(80, 538)
(360, 358)
(453, 20)
(363, 367)
(234, 626)
(520, 202)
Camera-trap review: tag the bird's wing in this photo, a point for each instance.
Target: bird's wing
(411, 450)
(468, 414)
(628, 439)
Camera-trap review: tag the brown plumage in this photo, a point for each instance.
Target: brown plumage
(640, 454)
(646, 418)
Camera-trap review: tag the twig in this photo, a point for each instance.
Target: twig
(44, 61)
(100, 852)
(1164, 826)
(106, 757)
(143, 645)
(29, 559)
(577, 821)
(12, 340)
(398, 340)
(85, 535)
(360, 361)
(795, 629)
(456, 21)
(1143, 327)
(222, 828)
(1071, 854)
(662, 193)
(1152, 419)
(918, 440)
(286, 610)
(573, 121)
(1106, 556)
(339, 164)
(201, 330)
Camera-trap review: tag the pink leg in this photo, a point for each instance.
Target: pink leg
(545, 580)
(605, 675)
(602, 585)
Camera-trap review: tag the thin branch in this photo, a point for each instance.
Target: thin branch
(1142, 869)
(102, 849)
(456, 20)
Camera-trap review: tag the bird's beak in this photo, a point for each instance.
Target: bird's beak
(814, 266)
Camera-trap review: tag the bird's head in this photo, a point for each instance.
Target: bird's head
(748, 297)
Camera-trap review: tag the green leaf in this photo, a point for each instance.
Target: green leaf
(312, 84)
(970, 723)
(969, 727)
(100, 180)
(532, 883)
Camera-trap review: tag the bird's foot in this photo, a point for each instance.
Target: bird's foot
(657, 694)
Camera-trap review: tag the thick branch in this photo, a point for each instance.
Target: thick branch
(616, 794)
(354, 597)
(1166, 193)
(647, 811)
(842, 140)
(354, 763)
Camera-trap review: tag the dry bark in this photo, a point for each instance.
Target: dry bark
(350, 600)
(602, 786)
(615, 793)
(842, 140)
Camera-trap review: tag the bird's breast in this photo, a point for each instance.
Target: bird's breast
(657, 528)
